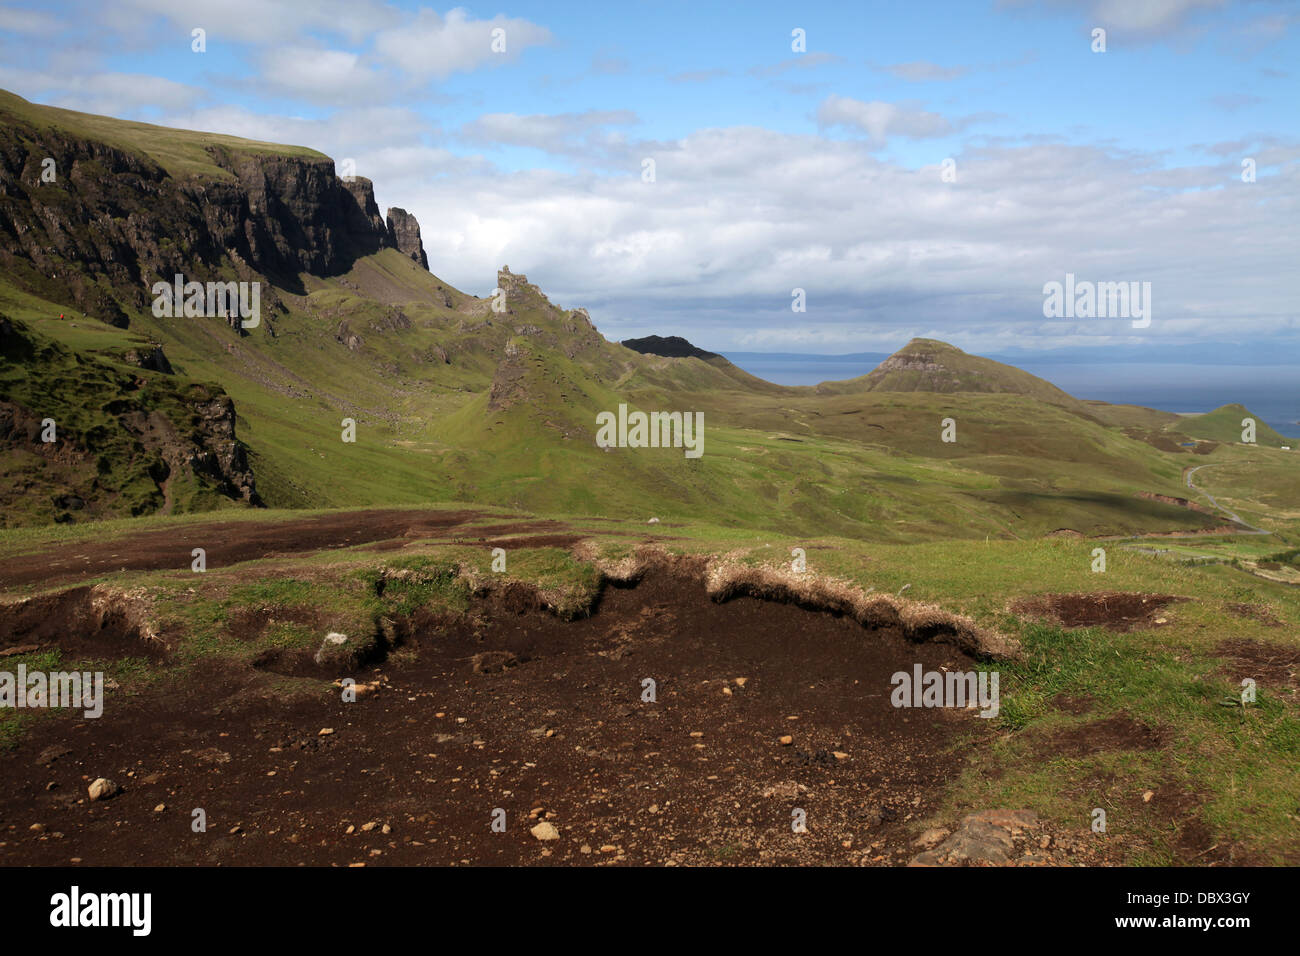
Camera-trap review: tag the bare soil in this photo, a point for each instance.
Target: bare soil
(1114, 610)
(229, 542)
(1271, 665)
(509, 708)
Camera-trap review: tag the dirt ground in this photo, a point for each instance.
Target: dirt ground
(1114, 610)
(229, 542)
(509, 708)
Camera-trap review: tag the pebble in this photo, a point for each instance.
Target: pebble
(325, 731)
(786, 740)
(103, 789)
(545, 831)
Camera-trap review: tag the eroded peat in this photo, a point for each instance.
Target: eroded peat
(562, 731)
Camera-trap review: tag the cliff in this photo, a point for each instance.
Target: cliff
(99, 223)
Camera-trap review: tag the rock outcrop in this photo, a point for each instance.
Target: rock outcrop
(671, 346)
(404, 231)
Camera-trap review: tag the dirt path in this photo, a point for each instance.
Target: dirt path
(697, 776)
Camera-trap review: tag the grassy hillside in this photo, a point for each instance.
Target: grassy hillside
(182, 153)
(1225, 424)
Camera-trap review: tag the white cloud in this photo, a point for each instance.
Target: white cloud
(33, 22)
(437, 46)
(329, 76)
(880, 120)
(112, 94)
(740, 216)
(1148, 16)
(269, 22)
(572, 134)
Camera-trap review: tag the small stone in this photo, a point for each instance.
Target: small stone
(325, 732)
(741, 681)
(367, 827)
(786, 740)
(584, 849)
(609, 848)
(160, 808)
(103, 789)
(839, 755)
(545, 831)
(37, 828)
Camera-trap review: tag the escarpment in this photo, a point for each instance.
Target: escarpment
(95, 224)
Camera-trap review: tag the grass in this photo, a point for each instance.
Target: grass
(183, 153)
(1234, 765)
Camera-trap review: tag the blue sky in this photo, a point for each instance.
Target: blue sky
(775, 169)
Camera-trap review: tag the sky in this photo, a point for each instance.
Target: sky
(916, 169)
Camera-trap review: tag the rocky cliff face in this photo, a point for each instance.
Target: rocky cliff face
(113, 222)
(405, 232)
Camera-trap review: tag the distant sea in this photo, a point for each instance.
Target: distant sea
(1270, 391)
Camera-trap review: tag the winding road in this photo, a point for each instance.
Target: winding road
(1226, 510)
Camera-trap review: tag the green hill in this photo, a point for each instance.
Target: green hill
(926, 365)
(1225, 424)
